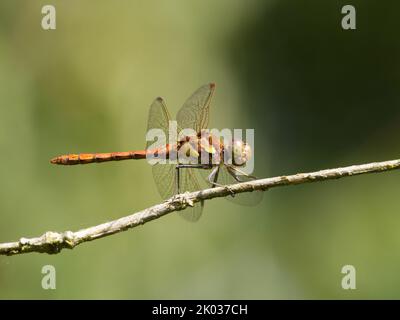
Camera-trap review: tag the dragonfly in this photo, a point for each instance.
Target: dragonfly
(179, 175)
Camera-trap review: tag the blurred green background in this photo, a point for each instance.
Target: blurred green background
(316, 95)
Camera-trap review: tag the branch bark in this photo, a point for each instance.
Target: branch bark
(53, 242)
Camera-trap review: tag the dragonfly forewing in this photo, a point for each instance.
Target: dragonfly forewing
(164, 174)
(195, 112)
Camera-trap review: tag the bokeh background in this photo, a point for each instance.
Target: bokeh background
(316, 95)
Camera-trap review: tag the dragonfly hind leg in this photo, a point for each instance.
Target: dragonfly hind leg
(235, 171)
(213, 177)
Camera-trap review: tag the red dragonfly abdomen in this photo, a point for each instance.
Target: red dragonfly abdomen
(84, 158)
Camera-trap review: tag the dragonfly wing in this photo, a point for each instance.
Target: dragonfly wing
(164, 177)
(163, 174)
(158, 119)
(194, 113)
(189, 182)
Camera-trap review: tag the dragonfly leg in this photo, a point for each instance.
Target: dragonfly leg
(194, 166)
(233, 171)
(187, 166)
(177, 180)
(213, 177)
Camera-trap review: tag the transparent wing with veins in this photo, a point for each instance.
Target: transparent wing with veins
(163, 174)
(189, 182)
(193, 114)
(158, 119)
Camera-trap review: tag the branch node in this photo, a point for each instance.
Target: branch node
(69, 239)
(24, 241)
(181, 201)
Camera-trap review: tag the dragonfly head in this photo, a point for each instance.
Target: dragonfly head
(241, 153)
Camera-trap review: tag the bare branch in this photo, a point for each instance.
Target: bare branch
(54, 242)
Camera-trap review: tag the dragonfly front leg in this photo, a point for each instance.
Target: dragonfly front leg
(177, 179)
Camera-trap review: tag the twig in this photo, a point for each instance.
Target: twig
(54, 242)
